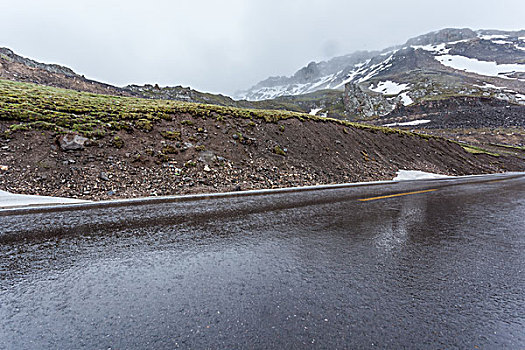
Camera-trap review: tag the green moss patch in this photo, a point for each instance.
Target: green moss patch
(31, 106)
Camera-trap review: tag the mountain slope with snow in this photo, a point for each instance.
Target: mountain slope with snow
(461, 61)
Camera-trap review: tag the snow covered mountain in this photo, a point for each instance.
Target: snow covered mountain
(458, 61)
(315, 76)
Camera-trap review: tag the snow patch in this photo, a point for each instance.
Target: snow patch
(411, 123)
(359, 68)
(314, 111)
(488, 86)
(8, 200)
(348, 79)
(389, 87)
(502, 42)
(406, 99)
(492, 37)
(323, 80)
(438, 49)
(505, 42)
(375, 69)
(270, 92)
(473, 65)
(407, 175)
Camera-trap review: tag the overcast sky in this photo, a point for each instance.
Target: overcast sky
(225, 45)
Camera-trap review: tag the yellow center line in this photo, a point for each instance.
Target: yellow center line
(490, 182)
(395, 195)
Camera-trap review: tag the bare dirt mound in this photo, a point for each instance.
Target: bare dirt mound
(233, 154)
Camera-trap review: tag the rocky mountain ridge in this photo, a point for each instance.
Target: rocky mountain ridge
(9, 55)
(17, 68)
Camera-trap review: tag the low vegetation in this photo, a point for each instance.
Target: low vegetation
(30, 106)
(477, 150)
(512, 147)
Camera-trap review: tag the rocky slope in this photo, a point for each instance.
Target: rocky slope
(461, 112)
(67, 143)
(315, 76)
(18, 68)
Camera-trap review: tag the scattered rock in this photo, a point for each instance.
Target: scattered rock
(185, 146)
(248, 140)
(71, 142)
(278, 150)
(207, 168)
(103, 176)
(207, 157)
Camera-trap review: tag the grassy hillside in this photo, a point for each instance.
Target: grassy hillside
(30, 106)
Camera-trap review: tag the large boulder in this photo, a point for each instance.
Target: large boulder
(360, 103)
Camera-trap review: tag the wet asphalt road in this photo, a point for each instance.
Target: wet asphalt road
(437, 269)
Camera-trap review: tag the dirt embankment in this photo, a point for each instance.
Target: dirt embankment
(192, 155)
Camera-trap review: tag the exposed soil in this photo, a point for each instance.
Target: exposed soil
(231, 154)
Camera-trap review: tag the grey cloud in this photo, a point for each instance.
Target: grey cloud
(223, 46)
